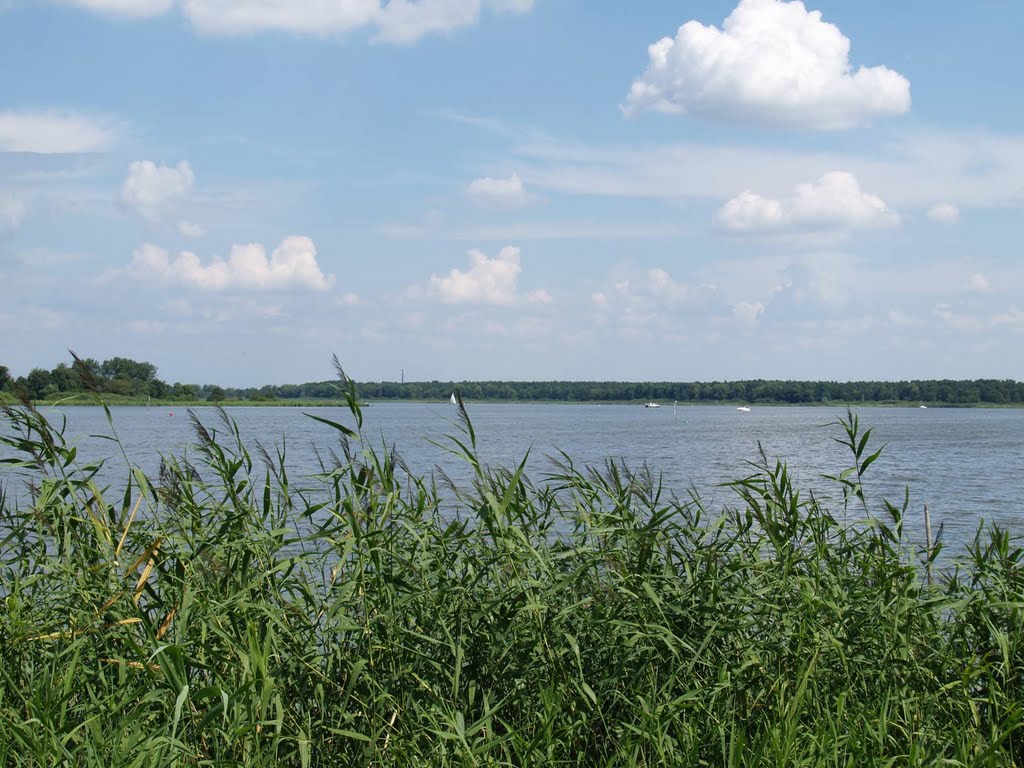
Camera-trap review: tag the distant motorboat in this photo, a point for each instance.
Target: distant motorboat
(922, 406)
(651, 404)
(743, 408)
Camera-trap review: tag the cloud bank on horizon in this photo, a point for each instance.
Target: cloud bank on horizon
(511, 189)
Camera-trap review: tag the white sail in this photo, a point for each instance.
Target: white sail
(453, 401)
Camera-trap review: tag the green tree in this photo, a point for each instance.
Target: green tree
(216, 394)
(122, 369)
(65, 378)
(36, 383)
(183, 391)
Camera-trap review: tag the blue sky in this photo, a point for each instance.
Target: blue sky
(513, 189)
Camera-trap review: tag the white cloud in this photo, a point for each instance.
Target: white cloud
(190, 229)
(663, 286)
(1013, 317)
(12, 213)
(487, 281)
(652, 301)
(957, 320)
(304, 17)
(404, 21)
(54, 131)
(150, 188)
(749, 212)
(292, 265)
(773, 62)
(511, 6)
(350, 300)
(978, 283)
(835, 201)
(977, 168)
(129, 8)
(812, 286)
(270, 311)
(397, 21)
(944, 213)
(508, 191)
(748, 312)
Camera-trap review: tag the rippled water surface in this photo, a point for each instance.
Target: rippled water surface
(967, 464)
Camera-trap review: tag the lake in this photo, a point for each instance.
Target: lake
(965, 463)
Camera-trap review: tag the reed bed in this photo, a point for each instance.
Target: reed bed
(223, 614)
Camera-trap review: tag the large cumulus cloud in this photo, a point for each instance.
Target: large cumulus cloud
(771, 62)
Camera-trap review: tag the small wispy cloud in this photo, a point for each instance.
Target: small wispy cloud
(55, 131)
(508, 191)
(396, 21)
(12, 213)
(151, 189)
(944, 213)
(190, 229)
(978, 283)
(748, 312)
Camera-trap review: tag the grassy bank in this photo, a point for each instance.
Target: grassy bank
(225, 613)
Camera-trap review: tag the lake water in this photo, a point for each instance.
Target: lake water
(967, 464)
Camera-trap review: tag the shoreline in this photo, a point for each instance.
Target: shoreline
(86, 399)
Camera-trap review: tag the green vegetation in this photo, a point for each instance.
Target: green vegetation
(89, 398)
(118, 377)
(945, 392)
(228, 614)
(124, 381)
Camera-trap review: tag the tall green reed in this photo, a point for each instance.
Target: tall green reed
(223, 613)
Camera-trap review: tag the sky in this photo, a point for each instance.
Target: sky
(235, 190)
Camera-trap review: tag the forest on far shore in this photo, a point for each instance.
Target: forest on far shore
(126, 378)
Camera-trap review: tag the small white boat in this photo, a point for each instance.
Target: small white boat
(744, 408)
(651, 404)
(922, 406)
(453, 401)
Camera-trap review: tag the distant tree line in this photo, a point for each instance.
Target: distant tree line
(944, 392)
(124, 376)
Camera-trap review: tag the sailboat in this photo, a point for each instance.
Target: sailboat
(453, 401)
